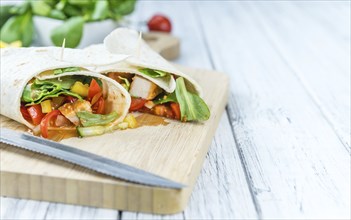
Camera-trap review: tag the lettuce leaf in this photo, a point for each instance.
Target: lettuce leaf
(40, 90)
(171, 97)
(192, 107)
(153, 73)
(66, 70)
(89, 119)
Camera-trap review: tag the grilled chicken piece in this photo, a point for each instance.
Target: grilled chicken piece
(69, 110)
(144, 88)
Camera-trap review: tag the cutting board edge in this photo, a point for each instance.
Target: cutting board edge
(125, 196)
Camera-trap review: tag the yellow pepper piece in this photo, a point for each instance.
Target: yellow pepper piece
(130, 119)
(46, 106)
(80, 89)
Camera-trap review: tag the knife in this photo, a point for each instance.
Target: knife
(85, 159)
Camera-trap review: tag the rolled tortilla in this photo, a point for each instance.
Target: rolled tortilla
(127, 41)
(20, 65)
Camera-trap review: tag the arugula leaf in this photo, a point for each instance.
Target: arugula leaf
(72, 30)
(171, 97)
(89, 119)
(153, 73)
(66, 70)
(18, 27)
(192, 107)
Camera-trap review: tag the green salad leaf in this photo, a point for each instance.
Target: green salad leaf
(16, 20)
(71, 30)
(192, 107)
(126, 83)
(66, 70)
(19, 27)
(89, 119)
(171, 97)
(101, 10)
(40, 90)
(5, 14)
(153, 73)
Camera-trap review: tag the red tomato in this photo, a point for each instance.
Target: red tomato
(94, 88)
(44, 124)
(176, 110)
(96, 98)
(99, 106)
(25, 114)
(159, 22)
(137, 103)
(35, 113)
(164, 111)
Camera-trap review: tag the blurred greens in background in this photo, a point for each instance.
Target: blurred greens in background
(16, 21)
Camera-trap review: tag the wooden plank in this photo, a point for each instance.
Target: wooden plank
(326, 77)
(222, 177)
(22, 209)
(61, 211)
(157, 149)
(297, 165)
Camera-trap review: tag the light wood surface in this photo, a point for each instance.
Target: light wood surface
(175, 151)
(281, 149)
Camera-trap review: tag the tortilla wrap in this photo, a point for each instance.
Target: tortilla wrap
(20, 65)
(127, 41)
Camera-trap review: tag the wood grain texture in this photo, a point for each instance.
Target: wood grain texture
(157, 149)
(222, 180)
(289, 65)
(297, 166)
(326, 77)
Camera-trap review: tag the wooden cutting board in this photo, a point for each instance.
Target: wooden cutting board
(175, 151)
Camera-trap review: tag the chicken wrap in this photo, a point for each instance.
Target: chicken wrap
(41, 89)
(154, 84)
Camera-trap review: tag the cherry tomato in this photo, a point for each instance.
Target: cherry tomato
(176, 110)
(35, 113)
(44, 124)
(94, 88)
(99, 106)
(25, 114)
(137, 103)
(159, 22)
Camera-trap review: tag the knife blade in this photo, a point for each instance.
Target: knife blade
(85, 159)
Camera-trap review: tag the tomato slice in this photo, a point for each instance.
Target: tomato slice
(94, 89)
(96, 98)
(137, 103)
(99, 106)
(45, 123)
(35, 113)
(176, 110)
(25, 114)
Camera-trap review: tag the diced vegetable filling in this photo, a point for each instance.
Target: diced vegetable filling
(147, 97)
(66, 104)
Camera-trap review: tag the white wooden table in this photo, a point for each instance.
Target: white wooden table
(282, 149)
